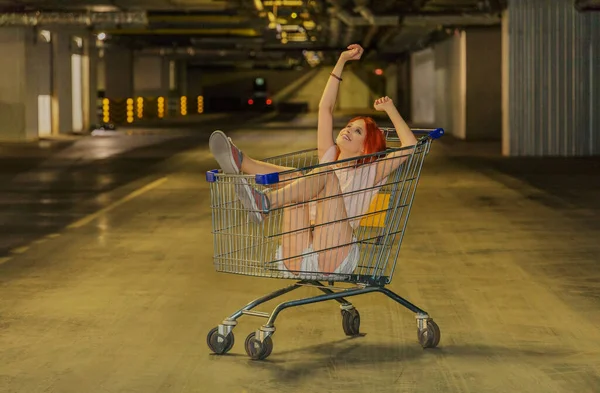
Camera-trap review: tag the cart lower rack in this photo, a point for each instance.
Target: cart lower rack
(332, 222)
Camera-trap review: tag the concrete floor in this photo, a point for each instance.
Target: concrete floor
(109, 286)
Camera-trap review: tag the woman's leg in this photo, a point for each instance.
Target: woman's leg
(253, 167)
(302, 189)
(296, 236)
(295, 193)
(333, 232)
(232, 160)
(332, 227)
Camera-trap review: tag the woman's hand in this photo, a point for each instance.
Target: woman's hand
(383, 103)
(354, 52)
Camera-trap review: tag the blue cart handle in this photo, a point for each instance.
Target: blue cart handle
(433, 133)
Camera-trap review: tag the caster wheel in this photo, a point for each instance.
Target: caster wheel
(351, 322)
(257, 350)
(218, 343)
(430, 336)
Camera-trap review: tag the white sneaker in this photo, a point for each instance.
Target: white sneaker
(225, 152)
(255, 201)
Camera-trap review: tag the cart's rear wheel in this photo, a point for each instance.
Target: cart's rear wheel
(218, 343)
(351, 322)
(258, 350)
(430, 336)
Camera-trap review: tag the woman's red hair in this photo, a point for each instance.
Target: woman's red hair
(374, 139)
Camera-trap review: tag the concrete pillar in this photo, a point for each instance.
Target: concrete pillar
(450, 81)
(423, 88)
(118, 69)
(41, 93)
(468, 84)
(551, 88)
(181, 77)
(12, 83)
(91, 68)
(483, 83)
(62, 107)
(38, 56)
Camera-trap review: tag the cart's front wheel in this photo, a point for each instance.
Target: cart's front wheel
(258, 350)
(351, 322)
(429, 337)
(218, 343)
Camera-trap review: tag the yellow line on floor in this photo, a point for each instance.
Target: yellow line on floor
(19, 250)
(87, 219)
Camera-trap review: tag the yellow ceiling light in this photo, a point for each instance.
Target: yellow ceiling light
(283, 3)
(224, 19)
(216, 31)
(297, 37)
(309, 24)
(258, 5)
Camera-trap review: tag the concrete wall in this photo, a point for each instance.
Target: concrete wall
(118, 63)
(150, 76)
(359, 89)
(181, 76)
(237, 83)
(392, 77)
(101, 70)
(92, 102)
(551, 88)
(61, 82)
(403, 102)
(38, 54)
(288, 86)
(450, 100)
(31, 67)
(423, 88)
(356, 93)
(12, 83)
(467, 84)
(484, 83)
(227, 88)
(311, 91)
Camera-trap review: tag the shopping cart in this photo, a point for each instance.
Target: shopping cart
(246, 246)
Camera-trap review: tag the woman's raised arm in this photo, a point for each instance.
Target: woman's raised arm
(327, 104)
(405, 134)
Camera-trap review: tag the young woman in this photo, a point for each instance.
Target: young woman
(319, 207)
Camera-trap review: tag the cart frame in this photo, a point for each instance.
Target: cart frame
(259, 344)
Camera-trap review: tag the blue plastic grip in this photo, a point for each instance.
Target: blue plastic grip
(266, 179)
(437, 133)
(210, 176)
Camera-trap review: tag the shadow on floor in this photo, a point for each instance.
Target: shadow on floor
(351, 351)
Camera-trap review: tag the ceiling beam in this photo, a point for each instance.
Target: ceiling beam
(244, 32)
